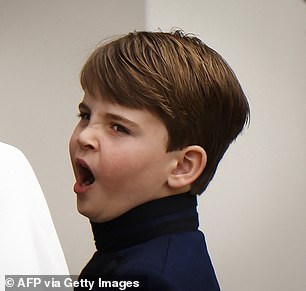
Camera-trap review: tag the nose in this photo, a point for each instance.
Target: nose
(88, 139)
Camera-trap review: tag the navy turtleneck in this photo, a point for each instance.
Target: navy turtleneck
(158, 241)
(169, 215)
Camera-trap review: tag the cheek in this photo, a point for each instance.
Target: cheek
(118, 166)
(129, 167)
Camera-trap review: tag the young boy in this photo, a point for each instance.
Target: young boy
(159, 111)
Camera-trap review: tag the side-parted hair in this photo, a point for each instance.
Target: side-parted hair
(175, 76)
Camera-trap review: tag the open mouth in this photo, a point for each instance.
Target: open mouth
(84, 174)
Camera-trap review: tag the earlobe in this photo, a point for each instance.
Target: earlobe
(190, 164)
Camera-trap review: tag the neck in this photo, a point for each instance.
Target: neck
(169, 215)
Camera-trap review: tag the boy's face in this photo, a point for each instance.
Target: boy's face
(119, 159)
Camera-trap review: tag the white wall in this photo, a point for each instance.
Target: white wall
(254, 213)
(43, 46)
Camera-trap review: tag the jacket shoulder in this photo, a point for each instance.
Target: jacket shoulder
(173, 262)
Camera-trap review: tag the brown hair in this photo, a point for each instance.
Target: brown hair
(181, 80)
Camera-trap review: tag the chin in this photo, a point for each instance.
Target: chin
(94, 217)
(84, 211)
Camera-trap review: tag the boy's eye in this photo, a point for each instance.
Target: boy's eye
(120, 128)
(84, 115)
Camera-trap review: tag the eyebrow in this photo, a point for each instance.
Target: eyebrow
(120, 118)
(111, 116)
(83, 106)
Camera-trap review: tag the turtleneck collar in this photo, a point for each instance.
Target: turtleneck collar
(169, 215)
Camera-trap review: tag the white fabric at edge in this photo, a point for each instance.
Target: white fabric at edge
(29, 243)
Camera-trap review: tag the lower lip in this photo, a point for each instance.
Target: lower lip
(81, 188)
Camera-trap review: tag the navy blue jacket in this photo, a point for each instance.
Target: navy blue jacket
(157, 244)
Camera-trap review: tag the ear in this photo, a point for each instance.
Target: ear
(190, 163)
